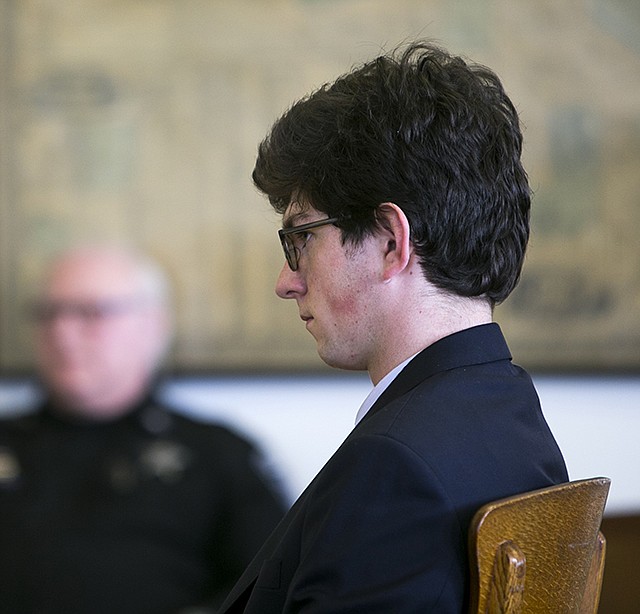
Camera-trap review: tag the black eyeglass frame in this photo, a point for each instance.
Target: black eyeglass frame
(46, 311)
(291, 252)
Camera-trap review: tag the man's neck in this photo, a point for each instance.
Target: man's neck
(419, 328)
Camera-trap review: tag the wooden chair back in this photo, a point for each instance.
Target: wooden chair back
(539, 552)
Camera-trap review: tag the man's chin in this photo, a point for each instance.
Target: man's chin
(71, 401)
(69, 389)
(339, 362)
(72, 395)
(86, 408)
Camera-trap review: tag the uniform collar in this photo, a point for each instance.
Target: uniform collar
(148, 412)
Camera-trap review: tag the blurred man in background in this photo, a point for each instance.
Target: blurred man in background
(110, 502)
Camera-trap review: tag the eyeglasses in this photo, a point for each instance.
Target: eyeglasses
(90, 312)
(290, 236)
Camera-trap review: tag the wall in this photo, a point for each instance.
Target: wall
(138, 122)
(301, 420)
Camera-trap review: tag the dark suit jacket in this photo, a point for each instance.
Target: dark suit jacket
(383, 526)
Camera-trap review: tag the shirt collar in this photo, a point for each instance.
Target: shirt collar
(380, 387)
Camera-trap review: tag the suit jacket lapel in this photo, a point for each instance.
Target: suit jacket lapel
(480, 344)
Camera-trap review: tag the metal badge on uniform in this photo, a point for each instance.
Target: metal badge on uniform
(165, 460)
(156, 420)
(9, 468)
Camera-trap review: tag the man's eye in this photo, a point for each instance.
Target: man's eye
(93, 312)
(300, 239)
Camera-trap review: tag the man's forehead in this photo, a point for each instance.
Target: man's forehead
(298, 213)
(90, 278)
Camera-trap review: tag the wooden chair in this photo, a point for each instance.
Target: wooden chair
(540, 552)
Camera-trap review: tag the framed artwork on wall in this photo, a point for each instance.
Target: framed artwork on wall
(138, 122)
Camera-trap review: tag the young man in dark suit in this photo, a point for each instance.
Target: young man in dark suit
(405, 220)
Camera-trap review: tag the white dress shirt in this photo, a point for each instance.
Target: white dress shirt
(380, 387)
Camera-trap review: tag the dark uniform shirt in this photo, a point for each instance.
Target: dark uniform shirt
(148, 514)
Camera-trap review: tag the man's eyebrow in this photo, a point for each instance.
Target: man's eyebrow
(295, 219)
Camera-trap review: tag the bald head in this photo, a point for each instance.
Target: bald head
(102, 328)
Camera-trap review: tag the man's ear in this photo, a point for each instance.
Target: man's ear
(397, 236)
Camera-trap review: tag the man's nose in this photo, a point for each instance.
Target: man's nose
(290, 283)
(63, 324)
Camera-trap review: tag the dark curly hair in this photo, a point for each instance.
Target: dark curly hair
(428, 131)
